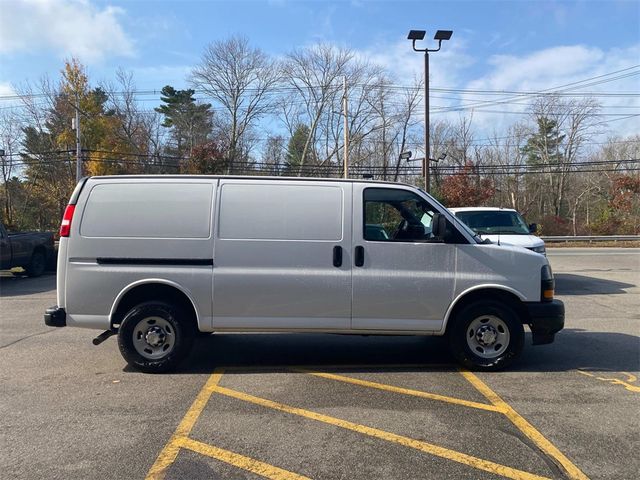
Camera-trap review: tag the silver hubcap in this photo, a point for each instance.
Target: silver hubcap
(488, 336)
(154, 338)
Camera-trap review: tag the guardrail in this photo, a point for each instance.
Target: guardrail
(590, 238)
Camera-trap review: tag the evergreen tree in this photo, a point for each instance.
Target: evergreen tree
(190, 122)
(545, 150)
(545, 146)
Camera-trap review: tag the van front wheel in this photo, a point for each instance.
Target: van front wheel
(155, 337)
(486, 336)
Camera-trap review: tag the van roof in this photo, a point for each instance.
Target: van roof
(259, 177)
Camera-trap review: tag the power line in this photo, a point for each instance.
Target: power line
(560, 90)
(56, 156)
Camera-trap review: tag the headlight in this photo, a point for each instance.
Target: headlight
(539, 249)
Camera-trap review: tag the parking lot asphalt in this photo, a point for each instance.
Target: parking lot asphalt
(328, 406)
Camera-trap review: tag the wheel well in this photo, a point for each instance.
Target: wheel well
(489, 294)
(150, 292)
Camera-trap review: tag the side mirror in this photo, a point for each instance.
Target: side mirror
(533, 228)
(439, 226)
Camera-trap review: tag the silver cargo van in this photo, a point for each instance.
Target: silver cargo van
(157, 259)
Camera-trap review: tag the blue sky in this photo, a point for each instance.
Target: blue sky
(501, 45)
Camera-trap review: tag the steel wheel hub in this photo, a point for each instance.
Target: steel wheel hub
(154, 338)
(488, 336)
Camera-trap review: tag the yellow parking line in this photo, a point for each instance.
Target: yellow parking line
(404, 391)
(240, 461)
(525, 427)
(170, 451)
(425, 447)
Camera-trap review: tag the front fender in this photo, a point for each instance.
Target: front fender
(488, 287)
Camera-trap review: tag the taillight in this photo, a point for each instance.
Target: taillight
(65, 226)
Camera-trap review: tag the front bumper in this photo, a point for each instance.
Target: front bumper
(545, 320)
(55, 317)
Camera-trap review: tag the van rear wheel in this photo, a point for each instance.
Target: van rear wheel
(486, 335)
(155, 337)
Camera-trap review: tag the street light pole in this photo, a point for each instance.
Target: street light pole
(439, 36)
(427, 147)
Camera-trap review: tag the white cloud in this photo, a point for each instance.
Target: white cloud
(6, 90)
(539, 68)
(454, 67)
(72, 27)
(445, 66)
(555, 67)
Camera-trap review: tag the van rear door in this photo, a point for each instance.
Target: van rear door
(281, 255)
(403, 279)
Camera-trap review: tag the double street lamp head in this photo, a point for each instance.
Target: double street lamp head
(440, 35)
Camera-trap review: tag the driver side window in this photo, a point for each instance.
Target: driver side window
(394, 215)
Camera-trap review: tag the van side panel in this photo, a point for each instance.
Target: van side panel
(514, 268)
(274, 255)
(137, 230)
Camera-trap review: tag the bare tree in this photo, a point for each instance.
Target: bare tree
(440, 134)
(273, 157)
(405, 121)
(314, 74)
(240, 79)
(122, 100)
(507, 160)
(564, 126)
(10, 137)
(368, 96)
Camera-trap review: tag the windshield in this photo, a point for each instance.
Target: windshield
(488, 222)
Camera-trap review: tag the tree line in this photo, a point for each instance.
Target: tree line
(248, 113)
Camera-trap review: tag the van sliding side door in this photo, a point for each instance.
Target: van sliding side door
(282, 255)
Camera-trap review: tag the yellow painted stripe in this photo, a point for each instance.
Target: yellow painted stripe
(240, 461)
(525, 427)
(170, 451)
(404, 391)
(425, 447)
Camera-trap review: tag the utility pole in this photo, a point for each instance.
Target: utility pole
(346, 130)
(78, 146)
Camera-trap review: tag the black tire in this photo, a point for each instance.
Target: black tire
(37, 265)
(159, 323)
(486, 335)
